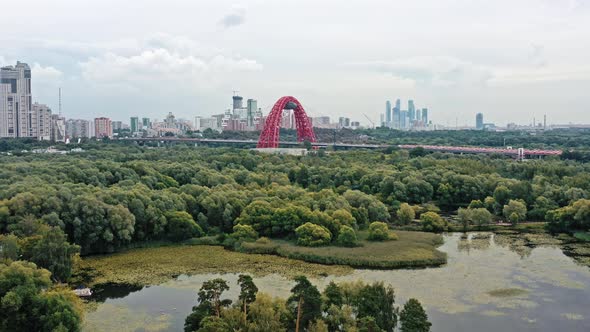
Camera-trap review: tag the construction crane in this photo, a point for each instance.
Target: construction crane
(372, 123)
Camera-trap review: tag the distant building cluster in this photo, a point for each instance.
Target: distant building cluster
(411, 118)
(21, 118)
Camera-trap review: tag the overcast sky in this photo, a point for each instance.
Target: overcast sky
(509, 59)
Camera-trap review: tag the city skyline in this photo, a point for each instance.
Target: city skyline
(510, 61)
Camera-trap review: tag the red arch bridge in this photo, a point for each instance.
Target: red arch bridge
(269, 136)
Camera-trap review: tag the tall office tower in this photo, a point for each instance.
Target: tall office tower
(16, 112)
(103, 128)
(411, 111)
(382, 118)
(58, 128)
(43, 114)
(237, 102)
(252, 106)
(479, 121)
(418, 115)
(397, 114)
(425, 116)
(403, 120)
(388, 113)
(145, 122)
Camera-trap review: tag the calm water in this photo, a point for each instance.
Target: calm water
(552, 292)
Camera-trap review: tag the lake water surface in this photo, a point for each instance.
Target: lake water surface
(494, 284)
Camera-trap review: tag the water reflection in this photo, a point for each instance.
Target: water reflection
(491, 283)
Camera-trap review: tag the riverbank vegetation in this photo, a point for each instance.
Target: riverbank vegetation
(341, 307)
(407, 250)
(152, 266)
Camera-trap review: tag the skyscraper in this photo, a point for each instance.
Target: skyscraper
(17, 118)
(403, 120)
(425, 116)
(388, 113)
(145, 122)
(479, 121)
(237, 102)
(411, 111)
(396, 114)
(252, 106)
(134, 125)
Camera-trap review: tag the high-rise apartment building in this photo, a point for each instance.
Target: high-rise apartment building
(479, 121)
(145, 122)
(58, 128)
(103, 128)
(16, 110)
(134, 121)
(43, 121)
(77, 128)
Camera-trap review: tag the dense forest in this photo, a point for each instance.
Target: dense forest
(114, 195)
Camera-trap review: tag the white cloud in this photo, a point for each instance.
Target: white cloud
(237, 16)
(437, 71)
(46, 75)
(176, 60)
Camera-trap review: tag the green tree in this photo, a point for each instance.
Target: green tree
(515, 211)
(432, 222)
(9, 247)
(181, 226)
(248, 291)
(413, 318)
(347, 237)
(55, 253)
(481, 217)
(311, 235)
(211, 292)
(465, 217)
(378, 231)
(405, 214)
(266, 314)
(378, 301)
(305, 303)
(333, 295)
(27, 303)
(244, 233)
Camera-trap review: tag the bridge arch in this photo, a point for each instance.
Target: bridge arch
(269, 136)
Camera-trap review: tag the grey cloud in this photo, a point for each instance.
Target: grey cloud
(236, 17)
(436, 71)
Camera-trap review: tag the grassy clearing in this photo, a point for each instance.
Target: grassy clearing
(151, 266)
(411, 250)
(582, 236)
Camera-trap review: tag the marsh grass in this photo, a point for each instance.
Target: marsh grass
(507, 292)
(151, 266)
(410, 250)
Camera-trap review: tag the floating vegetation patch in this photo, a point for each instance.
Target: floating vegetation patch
(150, 266)
(507, 292)
(493, 313)
(572, 316)
(111, 317)
(481, 236)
